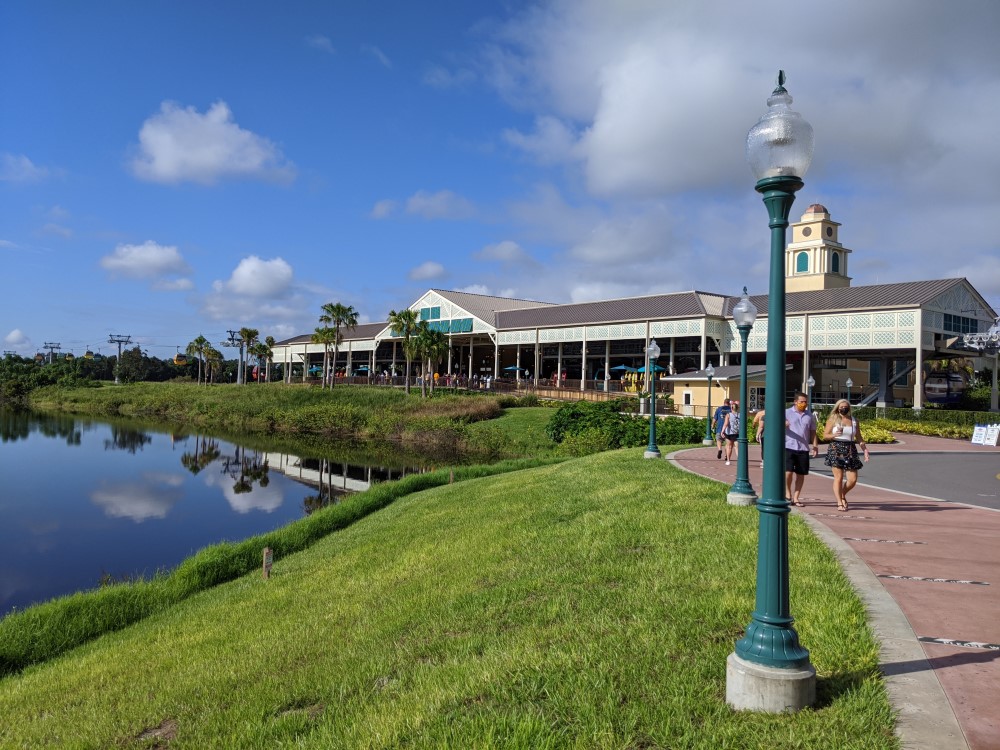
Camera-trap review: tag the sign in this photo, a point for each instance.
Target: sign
(992, 434)
(268, 561)
(979, 434)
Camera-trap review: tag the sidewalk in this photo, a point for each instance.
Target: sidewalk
(928, 570)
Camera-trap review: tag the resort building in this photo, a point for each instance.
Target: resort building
(889, 344)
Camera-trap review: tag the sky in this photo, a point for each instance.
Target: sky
(170, 169)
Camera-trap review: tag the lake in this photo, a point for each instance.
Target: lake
(84, 501)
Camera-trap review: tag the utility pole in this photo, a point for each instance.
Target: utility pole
(53, 348)
(115, 338)
(235, 340)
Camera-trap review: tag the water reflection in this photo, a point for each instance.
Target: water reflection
(84, 499)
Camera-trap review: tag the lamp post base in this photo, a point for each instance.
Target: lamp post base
(755, 687)
(741, 498)
(651, 454)
(708, 441)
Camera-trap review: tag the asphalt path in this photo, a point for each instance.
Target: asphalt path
(952, 476)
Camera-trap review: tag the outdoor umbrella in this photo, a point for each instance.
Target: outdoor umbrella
(623, 368)
(513, 367)
(656, 368)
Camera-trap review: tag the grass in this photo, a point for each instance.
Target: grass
(589, 604)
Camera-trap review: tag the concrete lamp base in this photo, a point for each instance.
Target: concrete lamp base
(708, 442)
(651, 454)
(739, 498)
(754, 687)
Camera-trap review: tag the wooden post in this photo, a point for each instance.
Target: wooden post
(268, 561)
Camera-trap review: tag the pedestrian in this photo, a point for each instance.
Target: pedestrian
(717, 420)
(731, 429)
(758, 425)
(844, 434)
(800, 437)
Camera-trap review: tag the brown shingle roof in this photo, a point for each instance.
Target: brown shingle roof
(878, 296)
(655, 307)
(484, 306)
(362, 332)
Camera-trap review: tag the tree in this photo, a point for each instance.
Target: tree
(324, 337)
(433, 346)
(340, 316)
(404, 323)
(213, 362)
(197, 349)
(262, 353)
(248, 337)
(270, 342)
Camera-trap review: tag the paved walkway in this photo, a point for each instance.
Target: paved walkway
(928, 569)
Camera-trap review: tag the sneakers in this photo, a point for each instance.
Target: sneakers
(727, 463)
(719, 454)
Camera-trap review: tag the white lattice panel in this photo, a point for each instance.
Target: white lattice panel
(861, 338)
(560, 334)
(884, 338)
(816, 340)
(907, 319)
(861, 321)
(793, 342)
(597, 333)
(817, 324)
(795, 325)
(836, 323)
(906, 338)
(836, 339)
(516, 337)
(884, 320)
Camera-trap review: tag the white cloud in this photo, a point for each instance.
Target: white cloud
(552, 141)
(17, 340)
(57, 230)
(476, 289)
(383, 209)
(173, 285)
(427, 270)
(443, 204)
(7, 243)
(377, 54)
(150, 260)
(506, 251)
(254, 277)
(19, 168)
(439, 77)
(320, 42)
(136, 500)
(183, 145)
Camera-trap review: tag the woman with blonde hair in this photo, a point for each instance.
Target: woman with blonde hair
(844, 434)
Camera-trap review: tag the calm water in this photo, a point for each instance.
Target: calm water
(81, 499)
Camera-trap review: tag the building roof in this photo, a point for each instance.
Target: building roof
(361, 332)
(723, 373)
(851, 298)
(629, 309)
(485, 307)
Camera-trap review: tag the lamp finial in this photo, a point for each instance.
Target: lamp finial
(780, 89)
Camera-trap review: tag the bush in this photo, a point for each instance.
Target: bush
(581, 420)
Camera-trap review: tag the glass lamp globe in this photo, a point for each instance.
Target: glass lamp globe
(811, 382)
(745, 311)
(653, 350)
(781, 143)
(710, 371)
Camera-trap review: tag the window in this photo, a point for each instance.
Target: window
(960, 324)
(835, 263)
(802, 262)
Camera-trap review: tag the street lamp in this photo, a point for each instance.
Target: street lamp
(741, 493)
(850, 384)
(710, 371)
(653, 353)
(811, 382)
(769, 669)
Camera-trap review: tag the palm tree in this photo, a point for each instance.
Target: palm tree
(324, 337)
(404, 323)
(340, 316)
(213, 361)
(270, 342)
(248, 337)
(261, 352)
(197, 349)
(433, 346)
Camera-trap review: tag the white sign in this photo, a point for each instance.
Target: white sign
(979, 434)
(992, 434)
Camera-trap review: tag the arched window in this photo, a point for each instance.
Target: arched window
(802, 262)
(835, 263)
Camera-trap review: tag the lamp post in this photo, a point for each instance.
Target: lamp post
(811, 382)
(653, 353)
(850, 384)
(769, 670)
(710, 371)
(741, 493)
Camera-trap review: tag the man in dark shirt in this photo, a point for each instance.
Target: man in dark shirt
(717, 420)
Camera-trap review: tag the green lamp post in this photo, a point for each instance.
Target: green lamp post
(811, 382)
(741, 493)
(710, 372)
(653, 354)
(769, 669)
(850, 384)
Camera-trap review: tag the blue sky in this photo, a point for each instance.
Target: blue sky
(176, 169)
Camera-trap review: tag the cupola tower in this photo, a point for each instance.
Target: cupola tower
(815, 259)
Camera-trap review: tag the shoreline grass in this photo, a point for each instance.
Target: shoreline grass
(585, 604)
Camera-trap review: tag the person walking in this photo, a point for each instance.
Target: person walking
(730, 430)
(717, 420)
(800, 437)
(758, 425)
(844, 434)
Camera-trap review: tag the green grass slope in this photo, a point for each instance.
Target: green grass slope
(589, 604)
